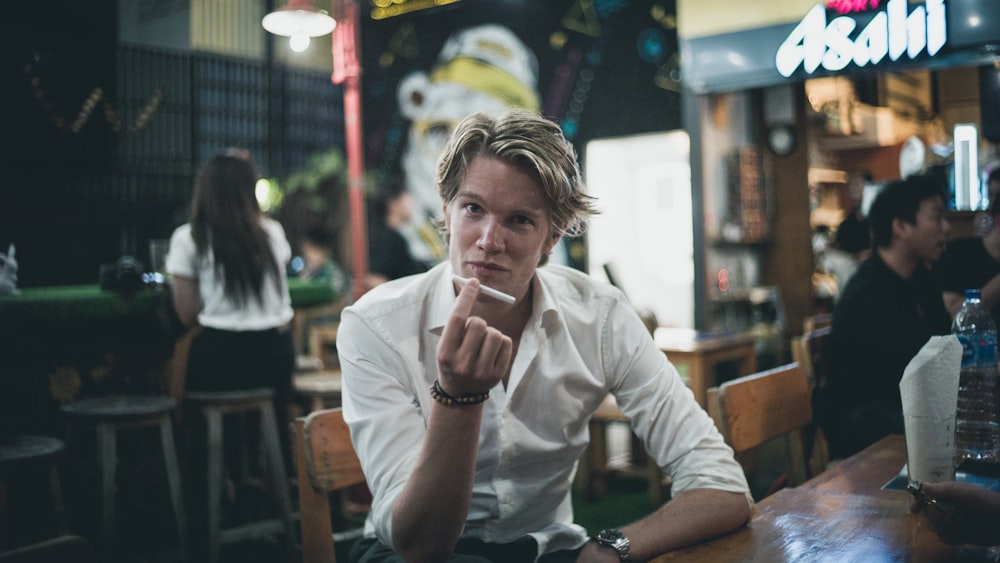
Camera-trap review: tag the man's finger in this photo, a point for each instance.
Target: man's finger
(451, 338)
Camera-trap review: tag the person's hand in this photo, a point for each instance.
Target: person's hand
(977, 513)
(472, 356)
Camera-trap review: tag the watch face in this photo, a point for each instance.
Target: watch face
(781, 138)
(610, 536)
(616, 540)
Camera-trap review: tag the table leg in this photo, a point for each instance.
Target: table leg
(748, 363)
(698, 371)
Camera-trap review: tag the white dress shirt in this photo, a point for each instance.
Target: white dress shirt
(583, 340)
(221, 311)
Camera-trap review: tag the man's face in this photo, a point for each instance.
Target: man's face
(926, 238)
(498, 226)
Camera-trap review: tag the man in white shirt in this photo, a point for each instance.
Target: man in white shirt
(470, 413)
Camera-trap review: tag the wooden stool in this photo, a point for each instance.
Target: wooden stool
(25, 455)
(320, 388)
(213, 405)
(111, 414)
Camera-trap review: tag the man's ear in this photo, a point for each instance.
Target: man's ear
(900, 228)
(554, 239)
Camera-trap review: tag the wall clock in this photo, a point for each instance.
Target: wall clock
(781, 139)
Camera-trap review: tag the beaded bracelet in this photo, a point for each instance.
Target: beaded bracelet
(463, 400)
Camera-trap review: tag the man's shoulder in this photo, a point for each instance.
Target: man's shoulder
(872, 280)
(182, 231)
(570, 283)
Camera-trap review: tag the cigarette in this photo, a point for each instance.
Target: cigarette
(498, 295)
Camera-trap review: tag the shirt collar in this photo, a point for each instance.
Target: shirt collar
(443, 299)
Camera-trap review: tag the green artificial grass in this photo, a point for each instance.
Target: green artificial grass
(626, 500)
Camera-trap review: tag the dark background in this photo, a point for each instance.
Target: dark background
(73, 200)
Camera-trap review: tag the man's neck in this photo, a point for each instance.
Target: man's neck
(898, 261)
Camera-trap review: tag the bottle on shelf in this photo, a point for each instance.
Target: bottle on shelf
(977, 428)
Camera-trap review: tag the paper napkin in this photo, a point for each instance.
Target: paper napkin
(929, 390)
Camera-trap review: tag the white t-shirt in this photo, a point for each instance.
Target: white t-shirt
(219, 310)
(582, 341)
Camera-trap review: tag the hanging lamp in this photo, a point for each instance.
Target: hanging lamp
(299, 20)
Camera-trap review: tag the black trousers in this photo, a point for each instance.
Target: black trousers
(222, 360)
(468, 550)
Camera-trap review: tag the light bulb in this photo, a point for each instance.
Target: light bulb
(299, 42)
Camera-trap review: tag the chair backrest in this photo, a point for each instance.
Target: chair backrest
(809, 350)
(816, 322)
(762, 406)
(326, 463)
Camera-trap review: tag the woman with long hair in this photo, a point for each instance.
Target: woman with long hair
(227, 268)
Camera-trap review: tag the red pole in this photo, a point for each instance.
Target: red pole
(347, 71)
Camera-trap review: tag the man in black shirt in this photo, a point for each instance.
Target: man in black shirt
(974, 262)
(889, 309)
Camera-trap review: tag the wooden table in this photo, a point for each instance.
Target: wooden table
(840, 515)
(702, 352)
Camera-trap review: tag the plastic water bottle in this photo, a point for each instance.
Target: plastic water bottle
(977, 431)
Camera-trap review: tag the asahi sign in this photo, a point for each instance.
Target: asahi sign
(862, 33)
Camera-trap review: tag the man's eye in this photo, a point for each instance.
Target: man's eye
(521, 220)
(473, 207)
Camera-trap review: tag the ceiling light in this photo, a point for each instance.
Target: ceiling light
(299, 20)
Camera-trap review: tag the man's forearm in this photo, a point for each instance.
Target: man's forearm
(691, 517)
(430, 513)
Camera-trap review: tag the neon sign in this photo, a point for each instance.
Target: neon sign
(814, 43)
(851, 6)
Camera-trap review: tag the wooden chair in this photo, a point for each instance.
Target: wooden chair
(757, 408)
(326, 463)
(810, 351)
(816, 322)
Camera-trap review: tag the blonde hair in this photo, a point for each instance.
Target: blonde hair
(532, 143)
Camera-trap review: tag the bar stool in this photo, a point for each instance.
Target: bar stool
(213, 405)
(110, 415)
(23, 457)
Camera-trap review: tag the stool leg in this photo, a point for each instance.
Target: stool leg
(276, 471)
(57, 499)
(173, 479)
(106, 448)
(3, 513)
(213, 419)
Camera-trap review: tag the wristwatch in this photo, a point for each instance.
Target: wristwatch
(617, 541)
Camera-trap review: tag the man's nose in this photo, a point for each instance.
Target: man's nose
(491, 236)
